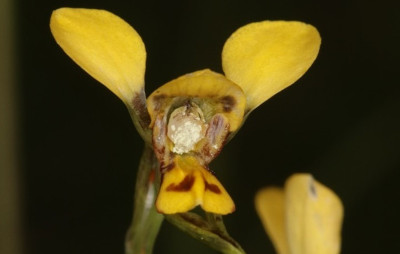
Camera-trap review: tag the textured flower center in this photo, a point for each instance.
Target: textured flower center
(186, 127)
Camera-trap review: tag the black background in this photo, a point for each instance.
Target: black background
(340, 122)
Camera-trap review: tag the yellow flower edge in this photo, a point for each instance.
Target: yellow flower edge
(188, 184)
(303, 218)
(270, 207)
(105, 46)
(265, 57)
(220, 94)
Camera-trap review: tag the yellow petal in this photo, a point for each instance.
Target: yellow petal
(270, 206)
(105, 46)
(212, 91)
(181, 190)
(313, 216)
(266, 57)
(187, 184)
(216, 199)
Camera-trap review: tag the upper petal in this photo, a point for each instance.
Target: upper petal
(266, 57)
(105, 46)
(313, 216)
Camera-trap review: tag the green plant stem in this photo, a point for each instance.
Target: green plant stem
(146, 220)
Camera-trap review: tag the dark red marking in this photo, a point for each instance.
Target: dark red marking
(183, 186)
(212, 187)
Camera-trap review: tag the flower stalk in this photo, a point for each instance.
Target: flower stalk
(146, 221)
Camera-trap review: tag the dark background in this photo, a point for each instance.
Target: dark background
(340, 122)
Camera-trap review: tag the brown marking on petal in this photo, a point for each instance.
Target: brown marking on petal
(158, 97)
(165, 168)
(184, 186)
(228, 102)
(212, 187)
(157, 100)
(313, 190)
(140, 108)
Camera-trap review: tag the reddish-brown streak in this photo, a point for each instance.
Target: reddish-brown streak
(212, 187)
(184, 186)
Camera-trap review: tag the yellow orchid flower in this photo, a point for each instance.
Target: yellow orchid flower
(303, 218)
(189, 119)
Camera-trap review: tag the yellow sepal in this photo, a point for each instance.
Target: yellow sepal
(270, 206)
(313, 216)
(266, 57)
(188, 184)
(214, 94)
(105, 46)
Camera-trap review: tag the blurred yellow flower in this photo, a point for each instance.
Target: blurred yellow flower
(189, 119)
(305, 217)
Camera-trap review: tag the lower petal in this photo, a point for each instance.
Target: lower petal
(187, 184)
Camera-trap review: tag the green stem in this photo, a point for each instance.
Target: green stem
(146, 220)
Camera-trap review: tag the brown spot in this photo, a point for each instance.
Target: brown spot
(228, 102)
(165, 168)
(158, 97)
(212, 187)
(140, 108)
(183, 186)
(157, 100)
(312, 189)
